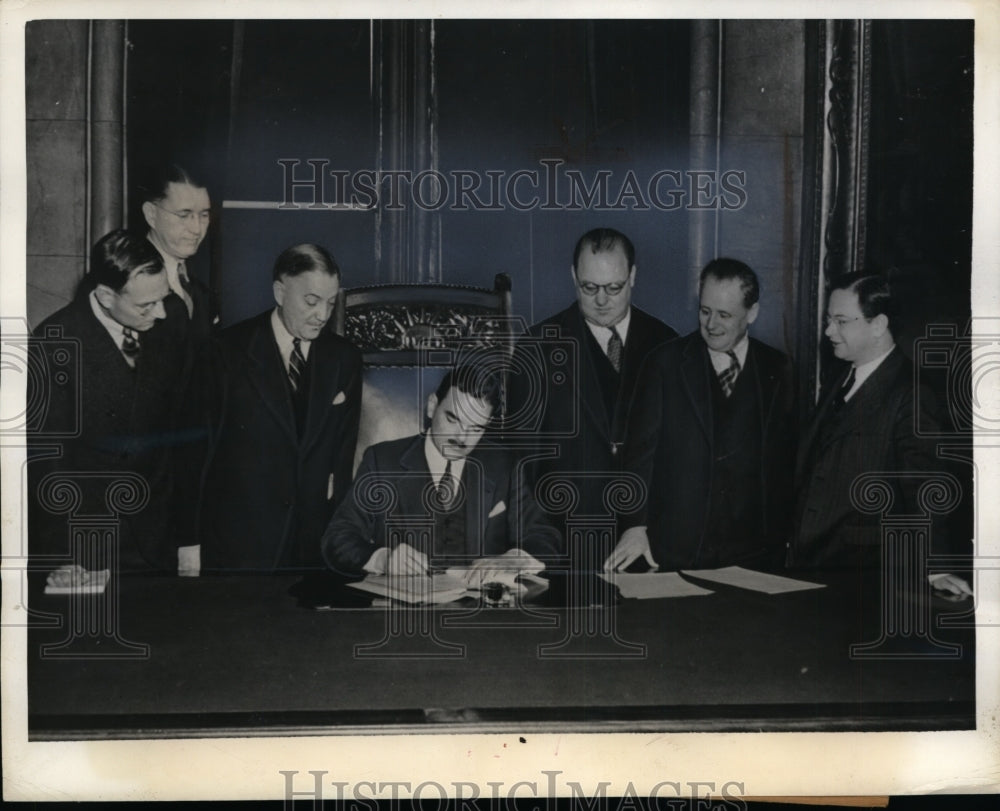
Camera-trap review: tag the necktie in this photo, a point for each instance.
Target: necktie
(130, 345)
(838, 402)
(185, 285)
(615, 349)
(727, 377)
(446, 489)
(296, 365)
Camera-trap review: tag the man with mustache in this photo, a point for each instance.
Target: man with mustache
(284, 421)
(459, 498)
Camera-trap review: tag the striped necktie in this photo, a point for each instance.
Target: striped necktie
(130, 345)
(727, 377)
(296, 365)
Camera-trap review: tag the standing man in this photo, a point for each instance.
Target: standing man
(583, 415)
(864, 424)
(177, 209)
(128, 369)
(285, 423)
(470, 490)
(710, 434)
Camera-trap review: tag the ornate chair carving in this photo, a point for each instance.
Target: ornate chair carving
(409, 334)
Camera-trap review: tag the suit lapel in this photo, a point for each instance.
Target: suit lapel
(635, 342)
(480, 488)
(866, 397)
(765, 382)
(268, 376)
(695, 368)
(589, 386)
(323, 381)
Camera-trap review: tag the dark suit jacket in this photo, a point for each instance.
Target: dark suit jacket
(875, 434)
(126, 423)
(573, 416)
(268, 494)
(194, 334)
(500, 513)
(669, 446)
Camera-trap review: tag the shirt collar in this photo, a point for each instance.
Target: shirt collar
(436, 463)
(866, 370)
(720, 360)
(115, 330)
(285, 339)
(170, 263)
(603, 334)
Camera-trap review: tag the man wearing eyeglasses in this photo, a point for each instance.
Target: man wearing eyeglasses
(578, 409)
(118, 406)
(864, 424)
(177, 209)
(711, 436)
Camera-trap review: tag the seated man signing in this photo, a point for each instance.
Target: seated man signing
(446, 497)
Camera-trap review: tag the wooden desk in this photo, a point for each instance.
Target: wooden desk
(237, 655)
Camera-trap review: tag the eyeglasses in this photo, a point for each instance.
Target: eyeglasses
(838, 320)
(188, 216)
(591, 289)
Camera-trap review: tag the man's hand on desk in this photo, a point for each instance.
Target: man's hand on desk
(953, 584)
(68, 576)
(405, 560)
(188, 561)
(501, 568)
(633, 544)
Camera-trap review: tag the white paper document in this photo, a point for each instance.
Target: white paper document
(82, 583)
(755, 581)
(437, 588)
(650, 585)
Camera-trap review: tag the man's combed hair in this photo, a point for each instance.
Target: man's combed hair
(116, 257)
(304, 258)
(874, 295)
(481, 382)
(725, 269)
(153, 187)
(604, 239)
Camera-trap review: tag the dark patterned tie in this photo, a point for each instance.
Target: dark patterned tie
(727, 377)
(130, 345)
(185, 291)
(296, 365)
(839, 400)
(615, 349)
(446, 489)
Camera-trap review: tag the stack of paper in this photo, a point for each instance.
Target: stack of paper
(649, 585)
(436, 588)
(755, 581)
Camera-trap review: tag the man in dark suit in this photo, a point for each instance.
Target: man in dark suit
(444, 497)
(582, 412)
(864, 424)
(128, 370)
(710, 435)
(285, 423)
(177, 210)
